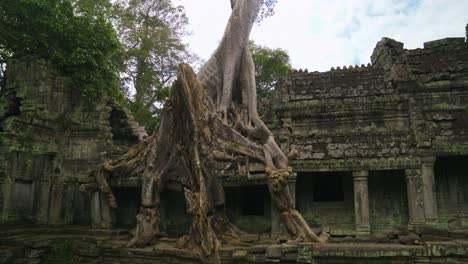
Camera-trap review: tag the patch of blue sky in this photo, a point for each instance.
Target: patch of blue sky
(405, 7)
(356, 59)
(349, 29)
(315, 24)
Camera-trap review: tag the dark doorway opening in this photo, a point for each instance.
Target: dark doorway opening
(451, 184)
(175, 221)
(320, 187)
(253, 200)
(128, 199)
(249, 207)
(388, 201)
(326, 199)
(328, 187)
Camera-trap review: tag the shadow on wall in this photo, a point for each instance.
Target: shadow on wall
(249, 208)
(122, 132)
(451, 181)
(326, 199)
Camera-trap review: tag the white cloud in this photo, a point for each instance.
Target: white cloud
(320, 34)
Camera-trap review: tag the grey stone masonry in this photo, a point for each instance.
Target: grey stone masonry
(398, 116)
(50, 141)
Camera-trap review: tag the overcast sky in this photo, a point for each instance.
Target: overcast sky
(319, 34)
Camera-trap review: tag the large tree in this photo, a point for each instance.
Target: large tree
(151, 32)
(270, 65)
(209, 129)
(82, 46)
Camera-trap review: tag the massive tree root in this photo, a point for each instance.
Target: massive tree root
(209, 126)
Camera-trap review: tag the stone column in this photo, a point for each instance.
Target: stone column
(55, 204)
(106, 214)
(361, 202)
(430, 201)
(7, 197)
(292, 187)
(96, 210)
(101, 213)
(414, 188)
(42, 204)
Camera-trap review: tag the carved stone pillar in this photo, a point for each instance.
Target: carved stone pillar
(96, 210)
(101, 214)
(42, 204)
(56, 204)
(361, 202)
(414, 188)
(106, 214)
(430, 201)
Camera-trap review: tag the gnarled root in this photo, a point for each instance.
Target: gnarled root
(147, 227)
(102, 178)
(126, 165)
(202, 239)
(296, 226)
(225, 231)
(299, 230)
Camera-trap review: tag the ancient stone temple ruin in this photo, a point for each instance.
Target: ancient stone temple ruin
(379, 151)
(50, 141)
(384, 146)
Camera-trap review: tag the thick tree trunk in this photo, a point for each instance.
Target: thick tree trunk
(209, 127)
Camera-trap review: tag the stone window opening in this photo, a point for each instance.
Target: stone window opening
(13, 107)
(128, 199)
(451, 187)
(328, 187)
(249, 207)
(122, 133)
(253, 200)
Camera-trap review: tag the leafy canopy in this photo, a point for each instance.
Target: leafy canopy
(151, 32)
(267, 9)
(270, 65)
(81, 45)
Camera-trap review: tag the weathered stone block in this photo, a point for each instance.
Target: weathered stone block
(6, 256)
(274, 251)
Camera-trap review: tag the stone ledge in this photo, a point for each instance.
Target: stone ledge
(444, 42)
(109, 247)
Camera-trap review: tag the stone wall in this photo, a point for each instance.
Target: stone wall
(51, 140)
(392, 119)
(385, 130)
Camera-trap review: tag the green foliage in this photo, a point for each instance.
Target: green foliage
(267, 9)
(94, 8)
(62, 253)
(81, 45)
(148, 116)
(151, 33)
(270, 65)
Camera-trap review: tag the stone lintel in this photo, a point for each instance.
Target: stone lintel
(428, 160)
